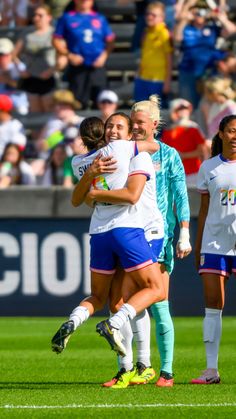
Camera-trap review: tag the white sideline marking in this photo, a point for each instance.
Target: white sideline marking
(112, 406)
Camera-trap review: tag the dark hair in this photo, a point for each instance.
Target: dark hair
(216, 146)
(14, 145)
(123, 115)
(51, 164)
(18, 174)
(92, 133)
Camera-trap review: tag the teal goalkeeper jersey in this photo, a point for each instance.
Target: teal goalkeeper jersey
(171, 188)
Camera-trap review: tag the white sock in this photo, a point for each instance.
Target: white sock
(212, 328)
(79, 315)
(125, 313)
(127, 360)
(141, 330)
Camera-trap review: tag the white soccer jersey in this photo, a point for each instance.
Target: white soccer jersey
(106, 217)
(152, 218)
(217, 177)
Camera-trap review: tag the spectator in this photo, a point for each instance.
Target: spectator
(32, 6)
(13, 169)
(64, 116)
(11, 130)
(13, 12)
(10, 73)
(172, 11)
(107, 103)
(185, 136)
(54, 168)
(154, 75)
(227, 67)
(86, 39)
(38, 54)
(197, 32)
(218, 102)
(57, 7)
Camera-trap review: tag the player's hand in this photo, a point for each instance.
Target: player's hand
(100, 61)
(183, 247)
(75, 59)
(102, 165)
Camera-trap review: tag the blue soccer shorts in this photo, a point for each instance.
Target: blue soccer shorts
(223, 265)
(156, 246)
(127, 245)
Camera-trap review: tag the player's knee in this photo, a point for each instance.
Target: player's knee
(214, 302)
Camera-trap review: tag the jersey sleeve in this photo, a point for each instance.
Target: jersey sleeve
(202, 184)
(107, 31)
(75, 167)
(178, 186)
(141, 165)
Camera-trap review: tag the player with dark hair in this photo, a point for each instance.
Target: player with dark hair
(216, 238)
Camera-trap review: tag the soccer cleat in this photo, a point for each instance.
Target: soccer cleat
(165, 380)
(112, 335)
(209, 376)
(60, 339)
(142, 374)
(114, 379)
(124, 378)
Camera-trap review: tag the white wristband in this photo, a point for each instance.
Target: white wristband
(183, 242)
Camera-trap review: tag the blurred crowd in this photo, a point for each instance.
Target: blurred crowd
(56, 66)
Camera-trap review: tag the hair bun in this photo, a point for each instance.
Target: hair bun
(155, 99)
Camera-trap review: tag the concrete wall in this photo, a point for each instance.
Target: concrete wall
(53, 202)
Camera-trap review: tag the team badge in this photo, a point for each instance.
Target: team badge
(202, 260)
(157, 166)
(96, 23)
(206, 32)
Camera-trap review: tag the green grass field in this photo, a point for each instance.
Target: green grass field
(37, 383)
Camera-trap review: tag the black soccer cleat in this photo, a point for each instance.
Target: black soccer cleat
(112, 335)
(60, 339)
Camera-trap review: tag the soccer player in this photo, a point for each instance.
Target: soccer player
(115, 230)
(171, 189)
(216, 238)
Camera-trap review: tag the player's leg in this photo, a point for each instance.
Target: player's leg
(214, 294)
(100, 285)
(137, 259)
(125, 364)
(163, 321)
(102, 267)
(164, 336)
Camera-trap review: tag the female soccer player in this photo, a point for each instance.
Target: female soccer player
(171, 189)
(115, 230)
(216, 238)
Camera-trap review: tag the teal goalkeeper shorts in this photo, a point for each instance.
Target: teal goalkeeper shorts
(167, 255)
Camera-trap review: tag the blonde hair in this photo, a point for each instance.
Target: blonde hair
(151, 106)
(221, 86)
(156, 5)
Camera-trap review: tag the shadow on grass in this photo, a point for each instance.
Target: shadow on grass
(42, 385)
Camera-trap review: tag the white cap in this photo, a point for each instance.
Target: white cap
(107, 95)
(6, 46)
(180, 104)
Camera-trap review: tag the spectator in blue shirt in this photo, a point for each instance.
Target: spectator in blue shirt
(86, 39)
(197, 32)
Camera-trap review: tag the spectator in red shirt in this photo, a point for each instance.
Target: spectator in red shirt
(186, 137)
